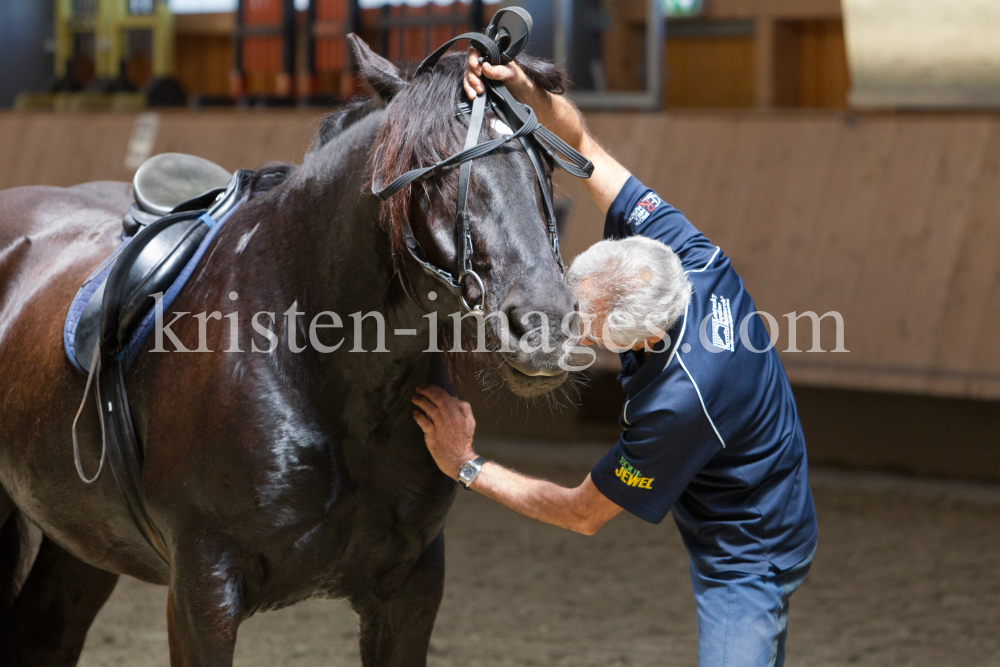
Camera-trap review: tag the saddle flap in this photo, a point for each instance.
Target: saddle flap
(166, 181)
(155, 269)
(149, 264)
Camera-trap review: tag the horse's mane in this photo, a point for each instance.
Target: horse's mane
(343, 117)
(420, 127)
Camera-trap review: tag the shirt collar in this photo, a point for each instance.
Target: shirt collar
(638, 370)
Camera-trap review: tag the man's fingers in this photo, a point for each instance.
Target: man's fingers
(466, 409)
(498, 73)
(429, 408)
(425, 424)
(475, 66)
(473, 85)
(434, 393)
(425, 404)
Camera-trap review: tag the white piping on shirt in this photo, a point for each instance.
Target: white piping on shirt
(709, 262)
(680, 337)
(673, 353)
(702, 401)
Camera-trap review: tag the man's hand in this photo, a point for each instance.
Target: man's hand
(510, 75)
(448, 426)
(557, 114)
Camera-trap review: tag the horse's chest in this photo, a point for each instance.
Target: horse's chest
(367, 537)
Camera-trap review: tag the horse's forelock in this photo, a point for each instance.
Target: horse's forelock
(419, 128)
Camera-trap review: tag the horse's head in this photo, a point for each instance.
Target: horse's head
(528, 307)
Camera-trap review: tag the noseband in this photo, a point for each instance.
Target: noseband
(497, 48)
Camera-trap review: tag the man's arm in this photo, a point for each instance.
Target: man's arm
(559, 115)
(448, 427)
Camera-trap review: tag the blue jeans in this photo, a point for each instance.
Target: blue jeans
(742, 618)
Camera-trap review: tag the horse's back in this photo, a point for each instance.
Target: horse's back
(41, 209)
(50, 240)
(46, 230)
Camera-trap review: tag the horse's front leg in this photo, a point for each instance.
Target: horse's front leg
(205, 605)
(396, 628)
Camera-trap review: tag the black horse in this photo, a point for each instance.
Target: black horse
(274, 476)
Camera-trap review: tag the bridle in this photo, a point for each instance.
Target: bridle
(497, 47)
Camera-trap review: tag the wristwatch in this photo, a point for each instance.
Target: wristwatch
(468, 473)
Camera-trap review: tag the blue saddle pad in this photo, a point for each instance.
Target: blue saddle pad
(144, 328)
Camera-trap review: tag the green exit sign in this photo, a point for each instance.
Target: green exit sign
(682, 7)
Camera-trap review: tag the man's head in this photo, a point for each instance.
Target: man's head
(630, 291)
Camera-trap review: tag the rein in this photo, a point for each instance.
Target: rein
(497, 48)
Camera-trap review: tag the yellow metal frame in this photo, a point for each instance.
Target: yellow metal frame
(110, 25)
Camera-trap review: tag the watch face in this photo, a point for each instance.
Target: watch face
(467, 473)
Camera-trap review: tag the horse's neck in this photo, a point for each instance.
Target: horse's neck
(331, 253)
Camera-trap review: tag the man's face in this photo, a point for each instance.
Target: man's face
(595, 332)
(601, 339)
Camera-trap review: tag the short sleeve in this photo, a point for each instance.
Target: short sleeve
(637, 210)
(656, 458)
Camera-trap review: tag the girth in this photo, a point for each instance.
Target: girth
(497, 47)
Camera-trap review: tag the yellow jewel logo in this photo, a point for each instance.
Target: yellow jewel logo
(632, 477)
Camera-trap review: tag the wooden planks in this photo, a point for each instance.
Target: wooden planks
(778, 9)
(204, 62)
(66, 149)
(708, 72)
(892, 221)
(824, 77)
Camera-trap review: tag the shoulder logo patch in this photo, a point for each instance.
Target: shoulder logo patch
(649, 203)
(722, 324)
(632, 477)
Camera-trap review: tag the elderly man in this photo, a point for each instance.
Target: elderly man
(711, 431)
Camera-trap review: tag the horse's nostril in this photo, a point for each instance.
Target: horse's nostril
(517, 328)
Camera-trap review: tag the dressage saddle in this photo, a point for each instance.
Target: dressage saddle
(162, 230)
(179, 201)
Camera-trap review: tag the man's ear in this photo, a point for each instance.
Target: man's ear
(381, 75)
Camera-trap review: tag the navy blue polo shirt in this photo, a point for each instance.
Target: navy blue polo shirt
(710, 426)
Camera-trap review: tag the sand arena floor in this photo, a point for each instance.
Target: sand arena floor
(906, 574)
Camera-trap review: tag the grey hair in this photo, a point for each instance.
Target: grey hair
(630, 286)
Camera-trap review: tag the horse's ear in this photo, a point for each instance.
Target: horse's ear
(382, 75)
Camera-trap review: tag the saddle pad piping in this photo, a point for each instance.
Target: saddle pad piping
(79, 303)
(145, 327)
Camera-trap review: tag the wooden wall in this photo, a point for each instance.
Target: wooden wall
(204, 53)
(203, 63)
(708, 72)
(65, 149)
(720, 70)
(824, 79)
(893, 221)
